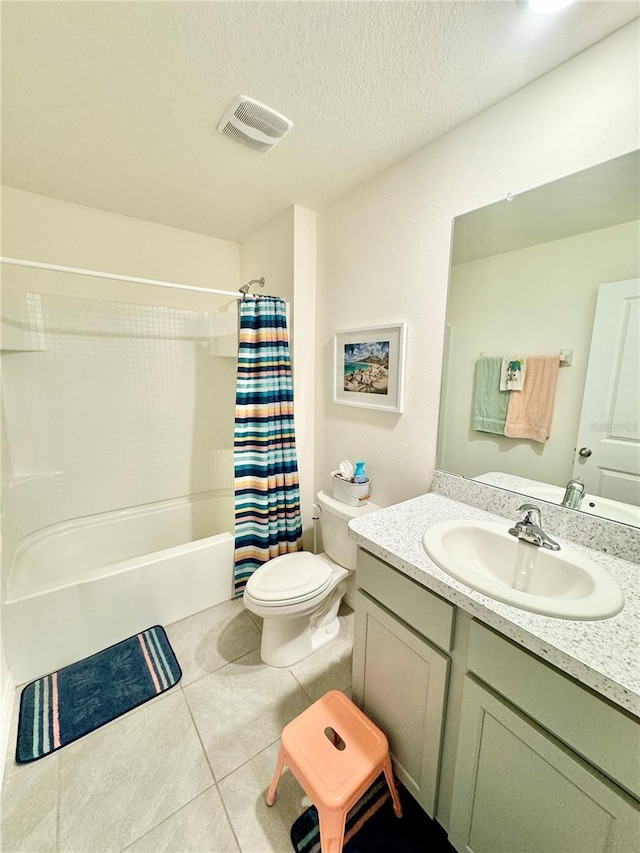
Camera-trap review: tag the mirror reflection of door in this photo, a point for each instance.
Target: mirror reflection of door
(608, 444)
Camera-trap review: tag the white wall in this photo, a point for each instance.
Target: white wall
(268, 252)
(384, 248)
(536, 300)
(304, 357)
(45, 229)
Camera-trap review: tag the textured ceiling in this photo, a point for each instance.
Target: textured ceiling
(115, 104)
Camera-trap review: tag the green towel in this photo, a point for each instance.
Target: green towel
(490, 404)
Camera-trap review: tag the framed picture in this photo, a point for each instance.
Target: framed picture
(369, 367)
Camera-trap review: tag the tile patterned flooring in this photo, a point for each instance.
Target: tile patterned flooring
(187, 771)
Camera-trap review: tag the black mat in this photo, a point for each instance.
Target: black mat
(372, 827)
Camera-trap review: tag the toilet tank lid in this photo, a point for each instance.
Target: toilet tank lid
(344, 510)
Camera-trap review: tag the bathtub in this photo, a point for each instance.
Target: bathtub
(79, 586)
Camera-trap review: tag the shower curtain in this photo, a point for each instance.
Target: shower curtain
(267, 495)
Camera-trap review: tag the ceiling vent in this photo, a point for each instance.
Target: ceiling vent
(254, 124)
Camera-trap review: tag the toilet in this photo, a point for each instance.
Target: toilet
(298, 595)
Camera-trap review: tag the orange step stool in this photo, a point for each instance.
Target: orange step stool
(335, 752)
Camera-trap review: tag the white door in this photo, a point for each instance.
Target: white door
(608, 445)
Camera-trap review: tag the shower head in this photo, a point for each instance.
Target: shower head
(245, 288)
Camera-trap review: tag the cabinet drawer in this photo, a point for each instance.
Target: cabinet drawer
(604, 735)
(422, 610)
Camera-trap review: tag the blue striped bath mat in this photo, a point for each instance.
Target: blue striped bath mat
(372, 827)
(65, 705)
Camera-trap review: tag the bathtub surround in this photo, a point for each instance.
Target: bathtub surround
(267, 495)
(66, 705)
(133, 393)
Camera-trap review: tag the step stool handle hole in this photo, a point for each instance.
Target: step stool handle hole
(332, 735)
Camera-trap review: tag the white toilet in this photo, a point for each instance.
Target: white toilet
(298, 595)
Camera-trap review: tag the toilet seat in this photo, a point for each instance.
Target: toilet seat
(289, 579)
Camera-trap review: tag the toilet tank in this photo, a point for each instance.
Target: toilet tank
(334, 519)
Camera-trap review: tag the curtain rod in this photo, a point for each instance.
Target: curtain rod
(96, 274)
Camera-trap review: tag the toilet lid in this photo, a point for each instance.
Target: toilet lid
(291, 577)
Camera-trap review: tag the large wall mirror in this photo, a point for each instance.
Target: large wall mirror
(555, 270)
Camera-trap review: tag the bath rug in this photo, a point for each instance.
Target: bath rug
(65, 705)
(372, 827)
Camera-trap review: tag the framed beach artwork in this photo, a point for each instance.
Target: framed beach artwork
(369, 367)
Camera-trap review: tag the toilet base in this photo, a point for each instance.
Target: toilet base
(288, 639)
(321, 636)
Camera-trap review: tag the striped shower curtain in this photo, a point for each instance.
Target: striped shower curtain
(267, 496)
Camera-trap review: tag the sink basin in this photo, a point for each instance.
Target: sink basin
(484, 556)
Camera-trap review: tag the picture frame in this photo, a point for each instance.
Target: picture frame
(369, 367)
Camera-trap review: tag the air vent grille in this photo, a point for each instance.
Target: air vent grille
(254, 124)
(261, 119)
(232, 132)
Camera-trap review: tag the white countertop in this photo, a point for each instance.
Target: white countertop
(604, 654)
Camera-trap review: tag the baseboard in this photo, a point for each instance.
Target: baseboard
(6, 712)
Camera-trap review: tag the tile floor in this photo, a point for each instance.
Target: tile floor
(187, 771)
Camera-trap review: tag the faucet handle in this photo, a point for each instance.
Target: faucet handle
(532, 514)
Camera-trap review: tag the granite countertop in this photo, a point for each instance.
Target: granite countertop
(604, 654)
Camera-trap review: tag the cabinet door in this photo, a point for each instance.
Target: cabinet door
(518, 790)
(399, 681)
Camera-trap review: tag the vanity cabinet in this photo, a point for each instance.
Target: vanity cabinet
(518, 788)
(541, 763)
(508, 753)
(399, 675)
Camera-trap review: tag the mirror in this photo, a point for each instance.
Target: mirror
(524, 280)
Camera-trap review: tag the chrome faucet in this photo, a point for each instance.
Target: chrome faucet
(573, 494)
(529, 528)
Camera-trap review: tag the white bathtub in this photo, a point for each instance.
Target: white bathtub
(79, 586)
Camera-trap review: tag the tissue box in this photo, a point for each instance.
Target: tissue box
(353, 494)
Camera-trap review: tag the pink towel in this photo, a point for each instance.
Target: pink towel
(531, 410)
